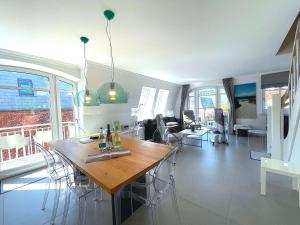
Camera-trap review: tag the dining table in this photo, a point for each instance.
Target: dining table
(114, 174)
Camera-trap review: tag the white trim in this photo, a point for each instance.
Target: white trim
(25, 65)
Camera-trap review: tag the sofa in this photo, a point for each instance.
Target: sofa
(150, 126)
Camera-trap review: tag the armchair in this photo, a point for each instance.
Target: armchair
(189, 119)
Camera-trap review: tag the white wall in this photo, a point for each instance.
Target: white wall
(96, 117)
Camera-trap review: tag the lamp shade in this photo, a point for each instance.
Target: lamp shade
(86, 98)
(112, 93)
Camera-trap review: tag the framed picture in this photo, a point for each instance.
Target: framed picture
(245, 100)
(25, 83)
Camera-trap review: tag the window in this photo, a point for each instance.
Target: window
(146, 103)
(204, 101)
(25, 83)
(68, 112)
(268, 92)
(46, 112)
(224, 103)
(161, 102)
(207, 104)
(191, 101)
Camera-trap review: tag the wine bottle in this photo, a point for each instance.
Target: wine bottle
(109, 143)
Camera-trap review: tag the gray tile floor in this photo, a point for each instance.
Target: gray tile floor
(218, 185)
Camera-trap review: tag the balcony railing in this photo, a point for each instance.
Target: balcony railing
(27, 133)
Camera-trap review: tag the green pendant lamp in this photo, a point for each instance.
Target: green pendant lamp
(85, 97)
(111, 92)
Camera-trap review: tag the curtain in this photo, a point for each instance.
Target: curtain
(184, 92)
(228, 86)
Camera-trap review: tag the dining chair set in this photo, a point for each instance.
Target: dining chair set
(160, 182)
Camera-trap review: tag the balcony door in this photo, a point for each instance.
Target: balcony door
(34, 106)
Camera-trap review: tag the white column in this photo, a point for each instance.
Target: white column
(269, 130)
(276, 128)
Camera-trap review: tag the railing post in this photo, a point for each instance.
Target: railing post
(23, 135)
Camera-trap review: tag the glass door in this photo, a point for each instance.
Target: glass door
(24, 115)
(67, 112)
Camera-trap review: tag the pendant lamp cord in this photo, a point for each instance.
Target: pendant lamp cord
(110, 46)
(85, 67)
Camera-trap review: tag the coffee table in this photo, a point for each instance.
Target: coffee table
(195, 135)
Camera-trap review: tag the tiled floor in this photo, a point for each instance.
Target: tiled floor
(215, 186)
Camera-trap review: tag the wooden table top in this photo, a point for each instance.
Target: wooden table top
(114, 174)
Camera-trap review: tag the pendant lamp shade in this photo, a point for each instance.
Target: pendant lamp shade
(85, 97)
(112, 93)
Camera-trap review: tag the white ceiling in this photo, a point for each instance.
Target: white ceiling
(174, 40)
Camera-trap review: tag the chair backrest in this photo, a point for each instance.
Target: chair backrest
(43, 136)
(163, 175)
(159, 133)
(13, 141)
(69, 170)
(52, 163)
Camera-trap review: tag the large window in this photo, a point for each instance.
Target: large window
(33, 107)
(207, 104)
(204, 101)
(161, 102)
(146, 103)
(268, 92)
(223, 101)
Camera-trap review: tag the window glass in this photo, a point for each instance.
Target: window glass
(146, 103)
(161, 102)
(207, 103)
(224, 103)
(26, 80)
(67, 109)
(64, 86)
(191, 101)
(268, 92)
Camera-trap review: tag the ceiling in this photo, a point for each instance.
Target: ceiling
(174, 40)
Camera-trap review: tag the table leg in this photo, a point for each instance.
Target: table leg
(263, 174)
(116, 208)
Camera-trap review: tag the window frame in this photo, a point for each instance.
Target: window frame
(54, 98)
(196, 96)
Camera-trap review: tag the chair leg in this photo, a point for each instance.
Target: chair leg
(175, 203)
(56, 201)
(154, 214)
(46, 194)
(262, 181)
(66, 206)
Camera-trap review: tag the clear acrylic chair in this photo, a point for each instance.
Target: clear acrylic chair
(159, 183)
(56, 174)
(61, 171)
(78, 184)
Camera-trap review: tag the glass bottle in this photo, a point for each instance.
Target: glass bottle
(117, 139)
(102, 143)
(109, 143)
